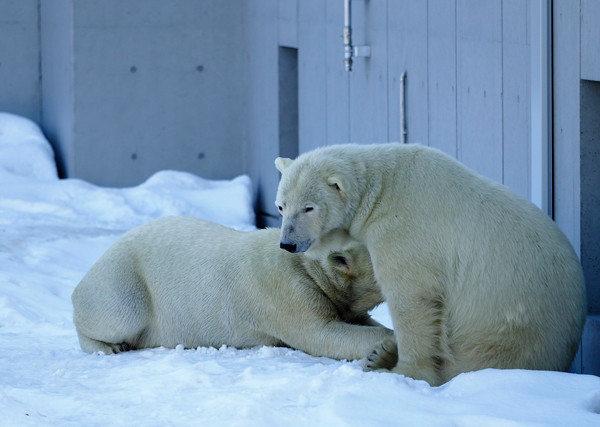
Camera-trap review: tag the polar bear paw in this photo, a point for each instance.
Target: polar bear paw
(120, 347)
(384, 356)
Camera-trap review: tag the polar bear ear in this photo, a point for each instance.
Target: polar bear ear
(341, 262)
(282, 163)
(336, 182)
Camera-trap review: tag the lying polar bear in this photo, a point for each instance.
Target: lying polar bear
(181, 280)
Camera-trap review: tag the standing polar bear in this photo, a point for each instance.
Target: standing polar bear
(474, 275)
(181, 280)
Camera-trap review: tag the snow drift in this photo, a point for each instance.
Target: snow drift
(52, 231)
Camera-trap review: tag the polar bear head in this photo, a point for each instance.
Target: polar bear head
(344, 272)
(312, 198)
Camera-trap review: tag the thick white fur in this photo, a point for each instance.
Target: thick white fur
(474, 275)
(181, 280)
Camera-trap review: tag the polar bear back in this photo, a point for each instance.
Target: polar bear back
(178, 274)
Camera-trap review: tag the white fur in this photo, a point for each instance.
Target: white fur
(474, 275)
(180, 280)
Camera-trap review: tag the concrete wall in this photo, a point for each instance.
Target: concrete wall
(20, 88)
(57, 109)
(262, 132)
(132, 87)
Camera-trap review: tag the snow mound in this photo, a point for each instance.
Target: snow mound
(24, 151)
(52, 231)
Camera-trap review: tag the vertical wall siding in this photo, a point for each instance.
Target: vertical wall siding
(408, 51)
(442, 68)
(467, 86)
(337, 79)
(468, 90)
(312, 83)
(516, 105)
(566, 94)
(262, 130)
(590, 40)
(368, 81)
(479, 53)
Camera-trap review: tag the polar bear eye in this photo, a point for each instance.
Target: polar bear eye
(280, 208)
(308, 209)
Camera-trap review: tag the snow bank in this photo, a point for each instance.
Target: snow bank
(24, 151)
(52, 231)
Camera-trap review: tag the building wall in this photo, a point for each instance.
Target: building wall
(132, 87)
(576, 174)
(20, 88)
(473, 89)
(125, 88)
(262, 131)
(56, 67)
(468, 79)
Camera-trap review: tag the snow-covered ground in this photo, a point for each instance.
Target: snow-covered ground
(52, 231)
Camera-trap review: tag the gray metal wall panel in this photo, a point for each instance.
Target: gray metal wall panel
(467, 87)
(20, 85)
(479, 32)
(516, 107)
(590, 40)
(312, 83)
(566, 93)
(262, 129)
(369, 78)
(338, 80)
(442, 109)
(408, 51)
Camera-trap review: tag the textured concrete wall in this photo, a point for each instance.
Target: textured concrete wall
(20, 90)
(57, 120)
(132, 87)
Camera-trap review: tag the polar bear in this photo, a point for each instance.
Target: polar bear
(182, 280)
(474, 275)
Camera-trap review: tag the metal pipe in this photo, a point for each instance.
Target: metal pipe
(402, 111)
(348, 51)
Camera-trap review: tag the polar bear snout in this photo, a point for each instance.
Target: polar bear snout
(295, 247)
(290, 247)
(294, 237)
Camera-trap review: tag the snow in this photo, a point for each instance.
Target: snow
(52, 231)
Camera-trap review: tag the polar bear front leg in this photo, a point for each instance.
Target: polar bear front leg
(383, 356)
(336, 339)
(417, 308)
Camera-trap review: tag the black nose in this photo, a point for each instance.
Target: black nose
(288, 247)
